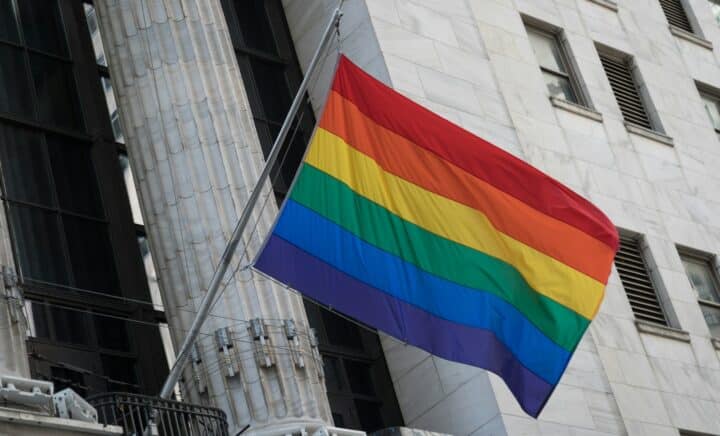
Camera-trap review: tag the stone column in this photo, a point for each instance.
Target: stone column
(13, 351)
(195, 154)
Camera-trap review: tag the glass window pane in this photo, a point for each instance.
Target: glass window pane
(66, 378)
(56, 92)
(340, 331)
(112, 107)
(359, 376)
(38, 244)
(8, 21)
(111, 333)
(546, 51)
(69, 325)
(712, 107)
(122, 372)
(333, 377)
(255, 26)
(91, 254)
(92, 24)
(701, 277)
(38, 326)
(712, 318)
(131, 189)
(272, 89)
(14, 98)
(42, 25)
(560, 87)
(74, 176)
(24, 166)
(369, 415)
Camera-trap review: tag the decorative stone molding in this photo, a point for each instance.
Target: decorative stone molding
(610, 4)
(576, 109)
(662, 331)
(650, 134)
(688, 36)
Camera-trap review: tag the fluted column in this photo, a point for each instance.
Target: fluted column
(195, 154)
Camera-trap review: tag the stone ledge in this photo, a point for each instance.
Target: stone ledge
(716, 343)
(576, 109)
(610, 4)
(26, 423)
(650, 134)
(688, 36)
(662, 331)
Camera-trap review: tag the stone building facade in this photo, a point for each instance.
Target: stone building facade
(472, 61)
(618, 100)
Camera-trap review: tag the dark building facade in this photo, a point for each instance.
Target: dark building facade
(92, 299)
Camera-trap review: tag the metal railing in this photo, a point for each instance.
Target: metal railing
(172, 418)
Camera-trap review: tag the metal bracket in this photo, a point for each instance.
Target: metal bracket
(263, 352)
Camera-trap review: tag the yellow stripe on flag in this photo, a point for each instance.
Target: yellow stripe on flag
(453, 221)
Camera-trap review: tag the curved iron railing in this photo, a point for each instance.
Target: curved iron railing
(172, 418)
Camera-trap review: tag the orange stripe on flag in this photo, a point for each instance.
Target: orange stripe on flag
(399, 156)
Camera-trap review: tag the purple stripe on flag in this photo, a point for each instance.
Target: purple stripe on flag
(449, 340)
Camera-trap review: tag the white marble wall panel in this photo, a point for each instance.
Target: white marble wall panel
(470, 60)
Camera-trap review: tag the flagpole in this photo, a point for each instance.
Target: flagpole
(221, 269)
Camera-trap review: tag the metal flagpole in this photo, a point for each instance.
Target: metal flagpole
(214, 286)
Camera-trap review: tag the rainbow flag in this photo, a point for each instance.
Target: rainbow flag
(412, 225)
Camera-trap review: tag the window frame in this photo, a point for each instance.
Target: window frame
(706, 94)
(558, 38)
(710, 262)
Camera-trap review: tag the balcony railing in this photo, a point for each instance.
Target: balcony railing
(172, 418)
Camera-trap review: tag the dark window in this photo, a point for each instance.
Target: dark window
(70, 326)
(111, 333)
(24, 165)
(703, 277)
(341, 332)
(37, 319)
(74, 176)
(271, 75)
(636, 281)
(55, 90)
(560, 79)
(675, 14)
(38, 244)
(15, 89)
(619, 73)
(255, 25)
(90, 254)
(42, 26)
(715, 8)
(67, 378)
(8, 21)
(121, 371)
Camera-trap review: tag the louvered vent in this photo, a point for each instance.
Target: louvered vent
(675, 14)
(625, 90)
(637, 283)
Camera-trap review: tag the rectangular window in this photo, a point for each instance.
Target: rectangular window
(676, 15)
(620, 75)
(636, 281)
(8, 21)
(56, 93)
(712, 107)
(715, 8)
(15, 89)
(560, 79)
(704, 281)
(42, 26)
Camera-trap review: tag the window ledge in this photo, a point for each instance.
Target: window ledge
(687, 36)
(716, 343)
(650, 134)
(576, 109)
(662, 331)
(610, 4)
